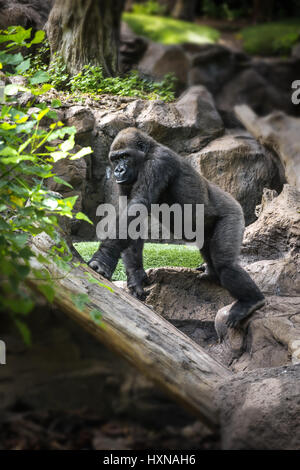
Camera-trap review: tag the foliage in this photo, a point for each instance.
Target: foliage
(155, 255)
(91, 80)
(225, 10)
(271, 38)
(28, 151)
(170, 31)
(151, 7)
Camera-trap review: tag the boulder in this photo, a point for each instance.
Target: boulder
(241, 166)
(31, 14)
(82, 118)
(276, 233)
(159, 59)
(212, 65)
(271, 336)
(187, 125)
(252, 88)
(180, 294)
(132, 48)
(296, 51)
(265, 414)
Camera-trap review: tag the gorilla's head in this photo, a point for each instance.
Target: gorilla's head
(127, 155)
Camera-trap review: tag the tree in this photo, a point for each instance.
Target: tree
(86, 32)
(184, 10)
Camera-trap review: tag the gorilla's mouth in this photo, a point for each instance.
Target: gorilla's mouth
(122, 181)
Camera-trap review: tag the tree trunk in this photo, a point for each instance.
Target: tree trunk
(86, 32)
(184, 10)
(150, 343)
(280, 133)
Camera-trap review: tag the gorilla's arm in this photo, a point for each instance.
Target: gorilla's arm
(153, 180)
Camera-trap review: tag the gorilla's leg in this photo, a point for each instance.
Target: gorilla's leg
(133, 260)
(224, 249)
(208, 271)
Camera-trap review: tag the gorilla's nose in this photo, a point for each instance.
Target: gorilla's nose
(120, 172)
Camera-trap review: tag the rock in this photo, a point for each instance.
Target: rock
(276, 232)
(185, 126)
(31, 14)
(296, 51)
(213, 65)
(259, 410)
(82, 118)
(269, 338)
(132, 48)
(253, 89)
(277, 277)
(158, 60)
(241, 166)
(180, 294)
(279, 133)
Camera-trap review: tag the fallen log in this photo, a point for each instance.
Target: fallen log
(280, 133)
(149, 342)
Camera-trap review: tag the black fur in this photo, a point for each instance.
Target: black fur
(149, 173)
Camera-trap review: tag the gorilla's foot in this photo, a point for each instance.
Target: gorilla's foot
(241, 310)
(207, 274)
(100, 269)
(103, 264)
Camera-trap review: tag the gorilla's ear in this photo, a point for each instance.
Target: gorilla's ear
(143, 145)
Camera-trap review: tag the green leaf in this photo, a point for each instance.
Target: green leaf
(43, 89)
(10, 90)
(60, 133)
(96, 316)
(39, 37)
(59, 155)
(82, 216)
(39, 77)
(23, 66)
(61, 181)
(42, 114)
(55, 103)
(82, 153)
(8, 152)
(47, 290)
(68, 144)
(24, 330)
(80, 300)
(93, 280)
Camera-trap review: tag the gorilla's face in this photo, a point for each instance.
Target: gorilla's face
(124, 167)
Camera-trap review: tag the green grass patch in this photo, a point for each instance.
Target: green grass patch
(271, 38)
(155, 255)
(169, 30)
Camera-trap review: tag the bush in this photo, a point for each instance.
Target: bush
(91, 80)
(151, 7)
(271, 38)
(27, 208)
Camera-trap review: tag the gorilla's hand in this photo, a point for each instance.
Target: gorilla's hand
(135, 281)
(103, 264)
(138, 292)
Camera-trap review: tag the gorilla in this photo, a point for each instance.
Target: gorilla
(150, 173)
